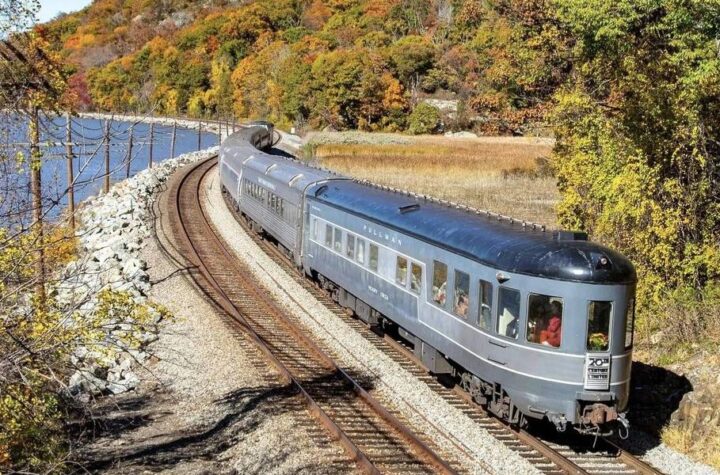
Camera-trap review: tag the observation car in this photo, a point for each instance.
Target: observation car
(533, 324)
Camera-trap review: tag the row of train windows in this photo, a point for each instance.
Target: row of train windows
(545, 313)
(272, 201)
(354, 248)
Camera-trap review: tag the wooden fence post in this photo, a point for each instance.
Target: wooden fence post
(106, 139)
(36, 190)
(172, 141)
(70, 172)
(199, 134)
(130, 151)
(152, 141)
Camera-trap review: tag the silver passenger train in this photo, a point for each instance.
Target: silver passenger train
(533, 324)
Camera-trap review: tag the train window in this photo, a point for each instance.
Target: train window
(508, 312)
(440, 273)
(401, 271)
(373, 260)
(544, 325)
(415, 277)
(485, 314)
(350, 250)
(629, 323)
(338, 240)
(461, 304)
(360, 253)
(314, 227)
(598, 331)
(328, 236)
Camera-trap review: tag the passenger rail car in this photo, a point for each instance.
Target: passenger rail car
(534, 324)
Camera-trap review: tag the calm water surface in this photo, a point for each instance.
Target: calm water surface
(88, 163)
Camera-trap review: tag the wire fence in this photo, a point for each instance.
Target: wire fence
(83, 155)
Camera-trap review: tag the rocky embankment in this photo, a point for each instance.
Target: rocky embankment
(113, 228)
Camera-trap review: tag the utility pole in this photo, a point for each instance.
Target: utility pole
(130, 151)
(152, 141)
(70, 172)
(106, 140)
(36, 190)
(172, 142)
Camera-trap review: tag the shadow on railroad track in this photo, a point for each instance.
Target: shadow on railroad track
(232, 420)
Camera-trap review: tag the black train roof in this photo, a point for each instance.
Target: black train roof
(501, 244)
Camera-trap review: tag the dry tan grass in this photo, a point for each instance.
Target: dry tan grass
(706, 449)
(498, 176)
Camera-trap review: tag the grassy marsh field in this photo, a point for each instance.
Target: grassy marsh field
(507, 175)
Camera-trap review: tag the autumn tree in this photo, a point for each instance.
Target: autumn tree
(638, 156)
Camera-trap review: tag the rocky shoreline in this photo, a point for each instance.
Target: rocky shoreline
(113, 228)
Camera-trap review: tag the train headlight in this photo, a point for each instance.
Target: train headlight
(603, 263)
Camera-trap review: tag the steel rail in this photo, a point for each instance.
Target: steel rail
(423, 452)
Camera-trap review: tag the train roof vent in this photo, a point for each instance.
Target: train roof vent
(294, 179)
(409, 208)
(570, 236)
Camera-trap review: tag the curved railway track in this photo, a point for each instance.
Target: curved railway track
(550, 457)
(372, 436)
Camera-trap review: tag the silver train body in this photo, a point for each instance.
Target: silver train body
(534, 324)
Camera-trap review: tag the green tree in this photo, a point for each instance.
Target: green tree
(638, 137)
(411, 58)
(346, 88)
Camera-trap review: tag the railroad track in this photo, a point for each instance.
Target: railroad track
(372, 436)
(550, 457)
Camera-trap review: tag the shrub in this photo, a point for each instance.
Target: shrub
(424, 119)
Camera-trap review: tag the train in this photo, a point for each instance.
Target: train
(535, 324)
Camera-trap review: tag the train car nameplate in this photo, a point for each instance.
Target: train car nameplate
(597, 372)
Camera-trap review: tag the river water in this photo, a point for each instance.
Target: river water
(88, 161)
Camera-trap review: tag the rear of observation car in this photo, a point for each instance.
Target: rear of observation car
(599, 310)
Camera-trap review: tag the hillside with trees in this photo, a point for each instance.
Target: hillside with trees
(344, 63)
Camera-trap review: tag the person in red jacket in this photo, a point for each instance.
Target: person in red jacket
(551, 336)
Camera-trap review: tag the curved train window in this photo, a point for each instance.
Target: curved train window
(350, 249)
(508, 312)
(544, 325)
(328, 236)
(629, 323)
(485, 314)
(439, 288)
(338, 240)
(598, 330)
(415, 278)
(461, 303)
(373, 261)
(401, 271)
(360, 254)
